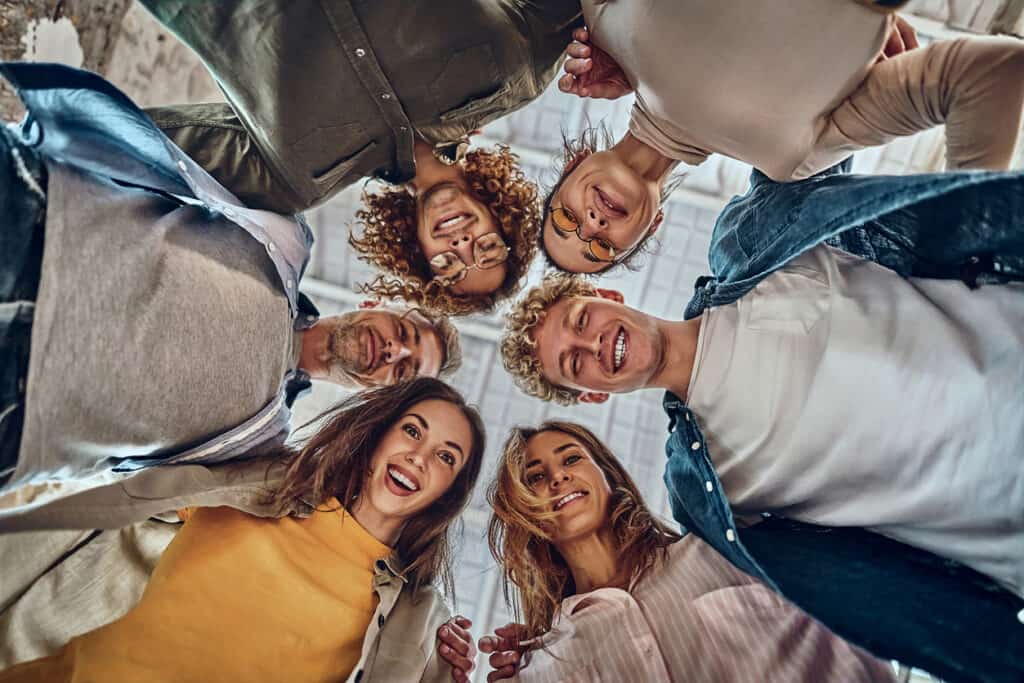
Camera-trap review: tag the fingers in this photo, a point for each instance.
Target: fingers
(581, 35)
(502, 673)
(569, 84)
(577, 67)
(500, 660)
(578, 49)
(455, 646)
(515, 632)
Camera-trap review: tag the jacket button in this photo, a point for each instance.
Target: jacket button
(359, 675)
(709, 486)
(360, 52)
(730, 535)
(380, 621)
(695, 446)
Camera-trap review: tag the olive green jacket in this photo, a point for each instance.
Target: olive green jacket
(59, 584)
(325, 92)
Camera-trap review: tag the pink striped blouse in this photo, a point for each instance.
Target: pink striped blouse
(694, 617)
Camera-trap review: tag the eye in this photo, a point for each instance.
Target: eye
(447, 458)
(532, 479)
(402, 334)
(573, 459)
(412, 430)
(575, 365)
(401, 372)
(581, 322)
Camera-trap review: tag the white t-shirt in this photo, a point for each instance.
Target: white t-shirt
(752, 80)
(837, 392)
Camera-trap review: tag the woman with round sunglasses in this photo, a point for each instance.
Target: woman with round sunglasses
(608, 592)
(342, 590)
(458, 238)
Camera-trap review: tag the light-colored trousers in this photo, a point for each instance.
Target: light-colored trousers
(975, 86)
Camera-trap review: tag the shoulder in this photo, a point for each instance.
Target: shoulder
(425, 608)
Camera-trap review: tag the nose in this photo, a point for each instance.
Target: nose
(594, 344)
(594, 223)
(395, 351)
(462, 244)
(415, 459)
(558, 479)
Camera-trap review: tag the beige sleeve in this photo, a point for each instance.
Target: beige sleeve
(59, 584)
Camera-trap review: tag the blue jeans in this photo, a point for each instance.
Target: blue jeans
(23, 207)
(958, 624)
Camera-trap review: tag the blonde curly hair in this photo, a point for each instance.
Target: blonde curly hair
(388, 240)
(518, 348)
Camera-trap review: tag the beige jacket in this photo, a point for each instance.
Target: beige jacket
(97, 576)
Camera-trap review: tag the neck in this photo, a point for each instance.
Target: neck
(593, 561)
(314, 350)
(679, 341)
(384, 529)
(646, 161)
(430, 171)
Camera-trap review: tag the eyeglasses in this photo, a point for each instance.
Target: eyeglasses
(489, 251)
(565, 222)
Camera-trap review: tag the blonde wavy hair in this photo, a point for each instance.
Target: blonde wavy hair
(520, 529)
(519, 349)
(388, 240)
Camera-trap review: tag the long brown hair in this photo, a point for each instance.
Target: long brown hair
(336, 459)
(520, 529)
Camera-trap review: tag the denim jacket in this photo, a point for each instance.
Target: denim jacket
(966, 225)
(80, 119)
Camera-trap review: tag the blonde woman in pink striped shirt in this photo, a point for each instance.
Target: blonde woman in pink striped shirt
(608, 592)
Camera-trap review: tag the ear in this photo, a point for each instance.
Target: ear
(369, 303)
(593, 397)
(656, 223)
(612, 295)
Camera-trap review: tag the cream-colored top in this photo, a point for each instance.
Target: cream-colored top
(838, 393)
(753, 80)
(693, 617)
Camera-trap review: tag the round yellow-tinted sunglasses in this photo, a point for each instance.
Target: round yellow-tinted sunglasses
(565, 222)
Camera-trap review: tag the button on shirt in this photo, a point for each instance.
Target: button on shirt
(693, 617)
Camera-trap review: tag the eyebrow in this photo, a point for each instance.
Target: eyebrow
(423, 423)
(564, 447)
(457, 447)
(532, 463)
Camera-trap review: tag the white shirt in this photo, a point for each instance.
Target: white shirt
(694, 617)
(752, 80)
(838, 393)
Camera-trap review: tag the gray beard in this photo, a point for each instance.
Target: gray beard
(346, 351)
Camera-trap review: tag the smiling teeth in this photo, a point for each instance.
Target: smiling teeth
(451, 221)
(620, 350)
(568, 499)
(403, 480)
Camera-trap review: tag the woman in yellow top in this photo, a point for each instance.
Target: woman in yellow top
(237, 597)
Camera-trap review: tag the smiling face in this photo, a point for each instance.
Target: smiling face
(560, 468)
(382, 347)
(450, 219)
(610, 202)
(414, 464)
(595, 344)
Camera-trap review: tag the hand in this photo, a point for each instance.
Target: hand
(455, 646)
(591, 72)
(506, 649)
(903, 37)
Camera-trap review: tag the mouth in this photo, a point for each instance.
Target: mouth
(450, 222)
(569, 498)
(619, 350)
(370, 349)
(401, 483)
(607, 205)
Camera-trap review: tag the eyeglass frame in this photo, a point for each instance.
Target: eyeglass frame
(464, 272)
(579, 226)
